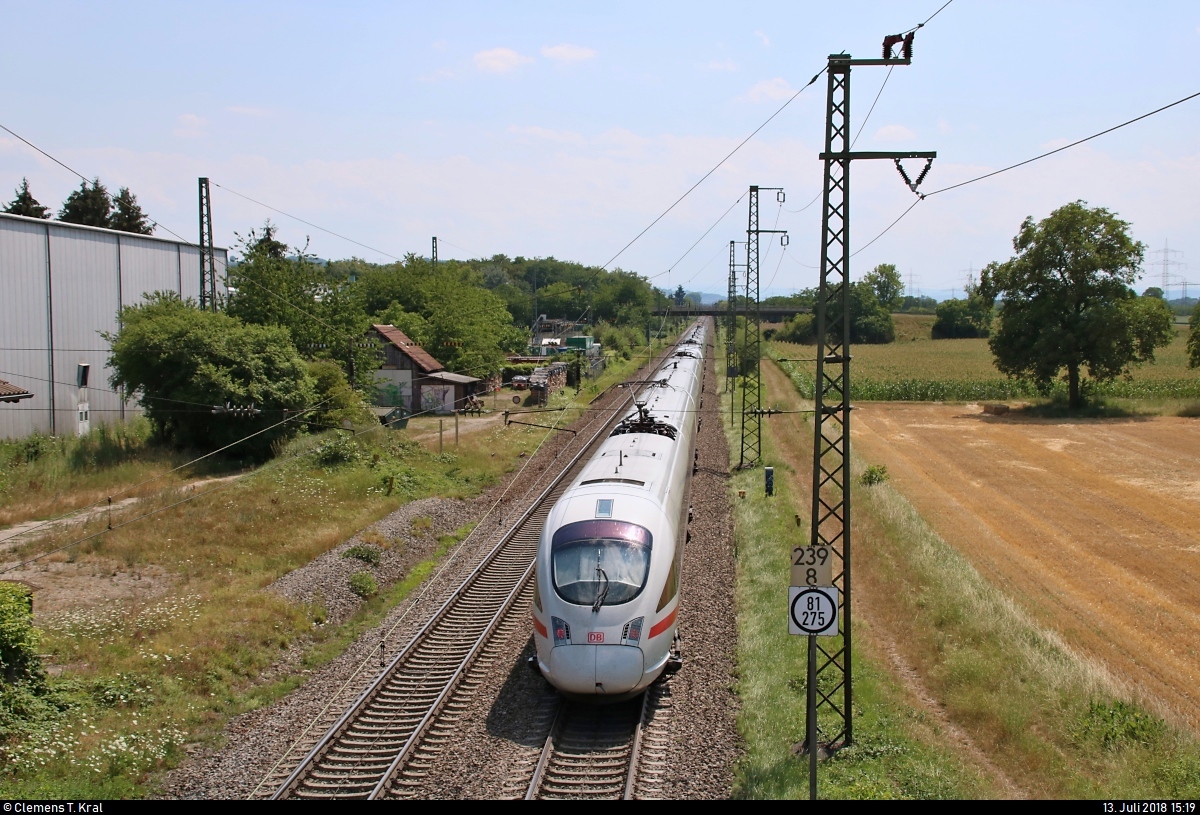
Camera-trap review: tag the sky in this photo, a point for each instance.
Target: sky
(550, 129)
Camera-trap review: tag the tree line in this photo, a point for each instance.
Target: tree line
(291, 333)
(1062, 305)
(90, 205)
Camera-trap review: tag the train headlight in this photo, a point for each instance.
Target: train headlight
(632, 633)
(562, 631)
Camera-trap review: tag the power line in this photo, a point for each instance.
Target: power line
(307, 223)
(714, 169)
(1022, 164)
(1064, 147)
(47, 155)
(702, 237)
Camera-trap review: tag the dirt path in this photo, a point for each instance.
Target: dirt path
(1092, 525)
(882, 630)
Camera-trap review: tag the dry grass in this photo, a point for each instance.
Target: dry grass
(1056, 722)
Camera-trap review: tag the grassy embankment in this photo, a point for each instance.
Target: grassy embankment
(917, 368)
(898, 752)
(1051, 722)
(141, 678)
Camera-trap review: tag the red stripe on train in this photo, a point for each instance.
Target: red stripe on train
(541, 629)
(663, 624)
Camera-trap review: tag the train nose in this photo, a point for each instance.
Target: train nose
(596, 669)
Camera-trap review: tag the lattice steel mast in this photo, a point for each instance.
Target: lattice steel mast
(208, 257)
(831, 449)
(750, 364)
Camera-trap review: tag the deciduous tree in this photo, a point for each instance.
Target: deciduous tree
(180, 360)
(1066, 302)
(1193, 343)
(885, 281)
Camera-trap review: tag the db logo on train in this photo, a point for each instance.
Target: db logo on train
(595, 636)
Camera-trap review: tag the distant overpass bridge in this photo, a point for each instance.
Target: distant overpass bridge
(770, 314)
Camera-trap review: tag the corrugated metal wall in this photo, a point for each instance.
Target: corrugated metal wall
(60, 287)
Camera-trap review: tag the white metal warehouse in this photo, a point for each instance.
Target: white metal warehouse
(61, 285)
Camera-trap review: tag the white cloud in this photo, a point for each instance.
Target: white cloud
(500, 60)
(893, 133)
(567, 53)
(771, 90)
(545, 134)
(766, 41)
(723, 65)
(190, 126)
(242, 110)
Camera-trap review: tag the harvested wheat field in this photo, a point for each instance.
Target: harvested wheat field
(1092, 525)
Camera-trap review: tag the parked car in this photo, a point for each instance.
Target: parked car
(520, 383)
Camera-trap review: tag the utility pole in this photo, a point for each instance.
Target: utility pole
(752, 378)
(434, 256)
(1167, 263)
(208, 258)
(731, 324)
(830, 526)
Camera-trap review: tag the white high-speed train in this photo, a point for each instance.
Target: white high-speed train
(606, 594)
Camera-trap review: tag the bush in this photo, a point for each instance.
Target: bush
(367, 554)
(962, 319)
(875, 474)
(182, 360)
(18, 638)
(801, 329)
(363, 584)
(337, 450)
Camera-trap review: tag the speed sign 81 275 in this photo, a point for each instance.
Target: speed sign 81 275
(813, 610)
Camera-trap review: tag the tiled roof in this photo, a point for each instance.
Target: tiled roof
(420, 357)
(11, 393)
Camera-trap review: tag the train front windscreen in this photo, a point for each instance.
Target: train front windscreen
(600, 563)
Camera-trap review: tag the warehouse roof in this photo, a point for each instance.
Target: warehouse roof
(420, 357)
(11, 393)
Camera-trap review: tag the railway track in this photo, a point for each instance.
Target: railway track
(395, 719)
(604, 752)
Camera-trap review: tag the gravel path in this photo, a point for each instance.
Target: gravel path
(256, 741)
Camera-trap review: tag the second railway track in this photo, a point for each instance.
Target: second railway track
(364, 751)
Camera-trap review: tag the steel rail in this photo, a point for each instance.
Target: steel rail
(589, 753)
(360, 707)
(372, 690)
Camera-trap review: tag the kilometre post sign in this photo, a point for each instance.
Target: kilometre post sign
(812, 566)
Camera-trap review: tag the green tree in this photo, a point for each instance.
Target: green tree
(90, 205)
(1153, 291)
(25, 204)
(325, 317)
(1067, 302)
(128, 216)
(963, 319)
(1193, 343)
(885, 281)
(179, 360)
(870, 322)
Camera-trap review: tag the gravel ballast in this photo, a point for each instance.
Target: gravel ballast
(510, 702)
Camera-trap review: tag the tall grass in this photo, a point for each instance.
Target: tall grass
(41, 476)
(896, 754)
